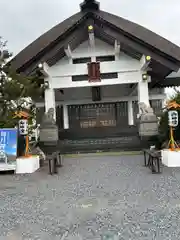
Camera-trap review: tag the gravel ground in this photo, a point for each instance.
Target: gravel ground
(92, 196)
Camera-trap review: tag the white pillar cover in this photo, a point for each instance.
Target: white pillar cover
(143, 92)
(66, 117)
(50, 100)
(130, 113)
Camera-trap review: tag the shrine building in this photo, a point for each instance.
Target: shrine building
(97, 67)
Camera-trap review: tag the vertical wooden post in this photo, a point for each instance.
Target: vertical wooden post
(27, 146)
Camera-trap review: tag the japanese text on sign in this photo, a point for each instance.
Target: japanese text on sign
(3, 139)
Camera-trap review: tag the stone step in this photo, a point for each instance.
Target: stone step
(130, 143)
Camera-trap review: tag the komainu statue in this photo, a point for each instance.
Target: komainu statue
(144, 109)
(48, 131)
(148, 121)
(48, 118)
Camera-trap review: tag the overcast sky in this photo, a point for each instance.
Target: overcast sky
(22, 21)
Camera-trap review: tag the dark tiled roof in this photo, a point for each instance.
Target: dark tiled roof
(143, 34)
(169, 82)
(45, 40)
(132, 29)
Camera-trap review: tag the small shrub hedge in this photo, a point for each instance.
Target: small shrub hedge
(163, 136)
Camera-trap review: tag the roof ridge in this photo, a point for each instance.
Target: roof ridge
(50, 38)
(89, 5)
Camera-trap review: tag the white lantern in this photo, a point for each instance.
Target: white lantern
(173, 118)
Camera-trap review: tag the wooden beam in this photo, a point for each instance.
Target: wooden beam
(74, 41)
(141, 48)
(145, 61)
(68, 51)
(155, 79)
(51, 56)
(92, 40)
(133, 89)
(110, 40)
(91, 36)
(117, 47)
(43, 68)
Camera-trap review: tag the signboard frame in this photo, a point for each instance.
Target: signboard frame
(8, 148)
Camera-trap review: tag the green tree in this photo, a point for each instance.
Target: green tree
(164, 128)
(17, 91)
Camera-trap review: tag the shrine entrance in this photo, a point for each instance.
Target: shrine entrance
(99, 126)
(99, 115)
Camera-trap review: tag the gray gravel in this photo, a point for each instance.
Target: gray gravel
(92, 196)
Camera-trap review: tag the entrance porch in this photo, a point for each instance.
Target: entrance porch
(90, 50)
(100, 118)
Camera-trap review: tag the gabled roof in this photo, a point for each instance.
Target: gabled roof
(90, 10)
(45, 40)
(142, 34)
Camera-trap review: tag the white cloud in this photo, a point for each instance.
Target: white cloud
(14, 146)
(23, 21)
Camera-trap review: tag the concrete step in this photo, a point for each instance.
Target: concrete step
(126, 143)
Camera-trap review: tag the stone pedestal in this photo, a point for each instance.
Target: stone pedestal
(48, 139)
(27, 164)
(170, 158)
(148, 122)
(48, 131)
(148, 125)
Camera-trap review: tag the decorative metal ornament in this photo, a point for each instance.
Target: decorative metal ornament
(144, 76)
(90, 28)
(148, 58)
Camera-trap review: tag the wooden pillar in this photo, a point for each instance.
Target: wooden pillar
(143, 92)
(50, 100)
(65, 116)
(130, 113)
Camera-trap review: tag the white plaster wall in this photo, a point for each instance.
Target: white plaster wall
(156, 91)
(66, 82)
(128, 69)
(121, 66)
(85, 92)
(113, 90)
(101, 48)
(88, 100)
(153, 91)
(83, 95)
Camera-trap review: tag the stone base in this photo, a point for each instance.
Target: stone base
(27, 164)
(170, 158)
